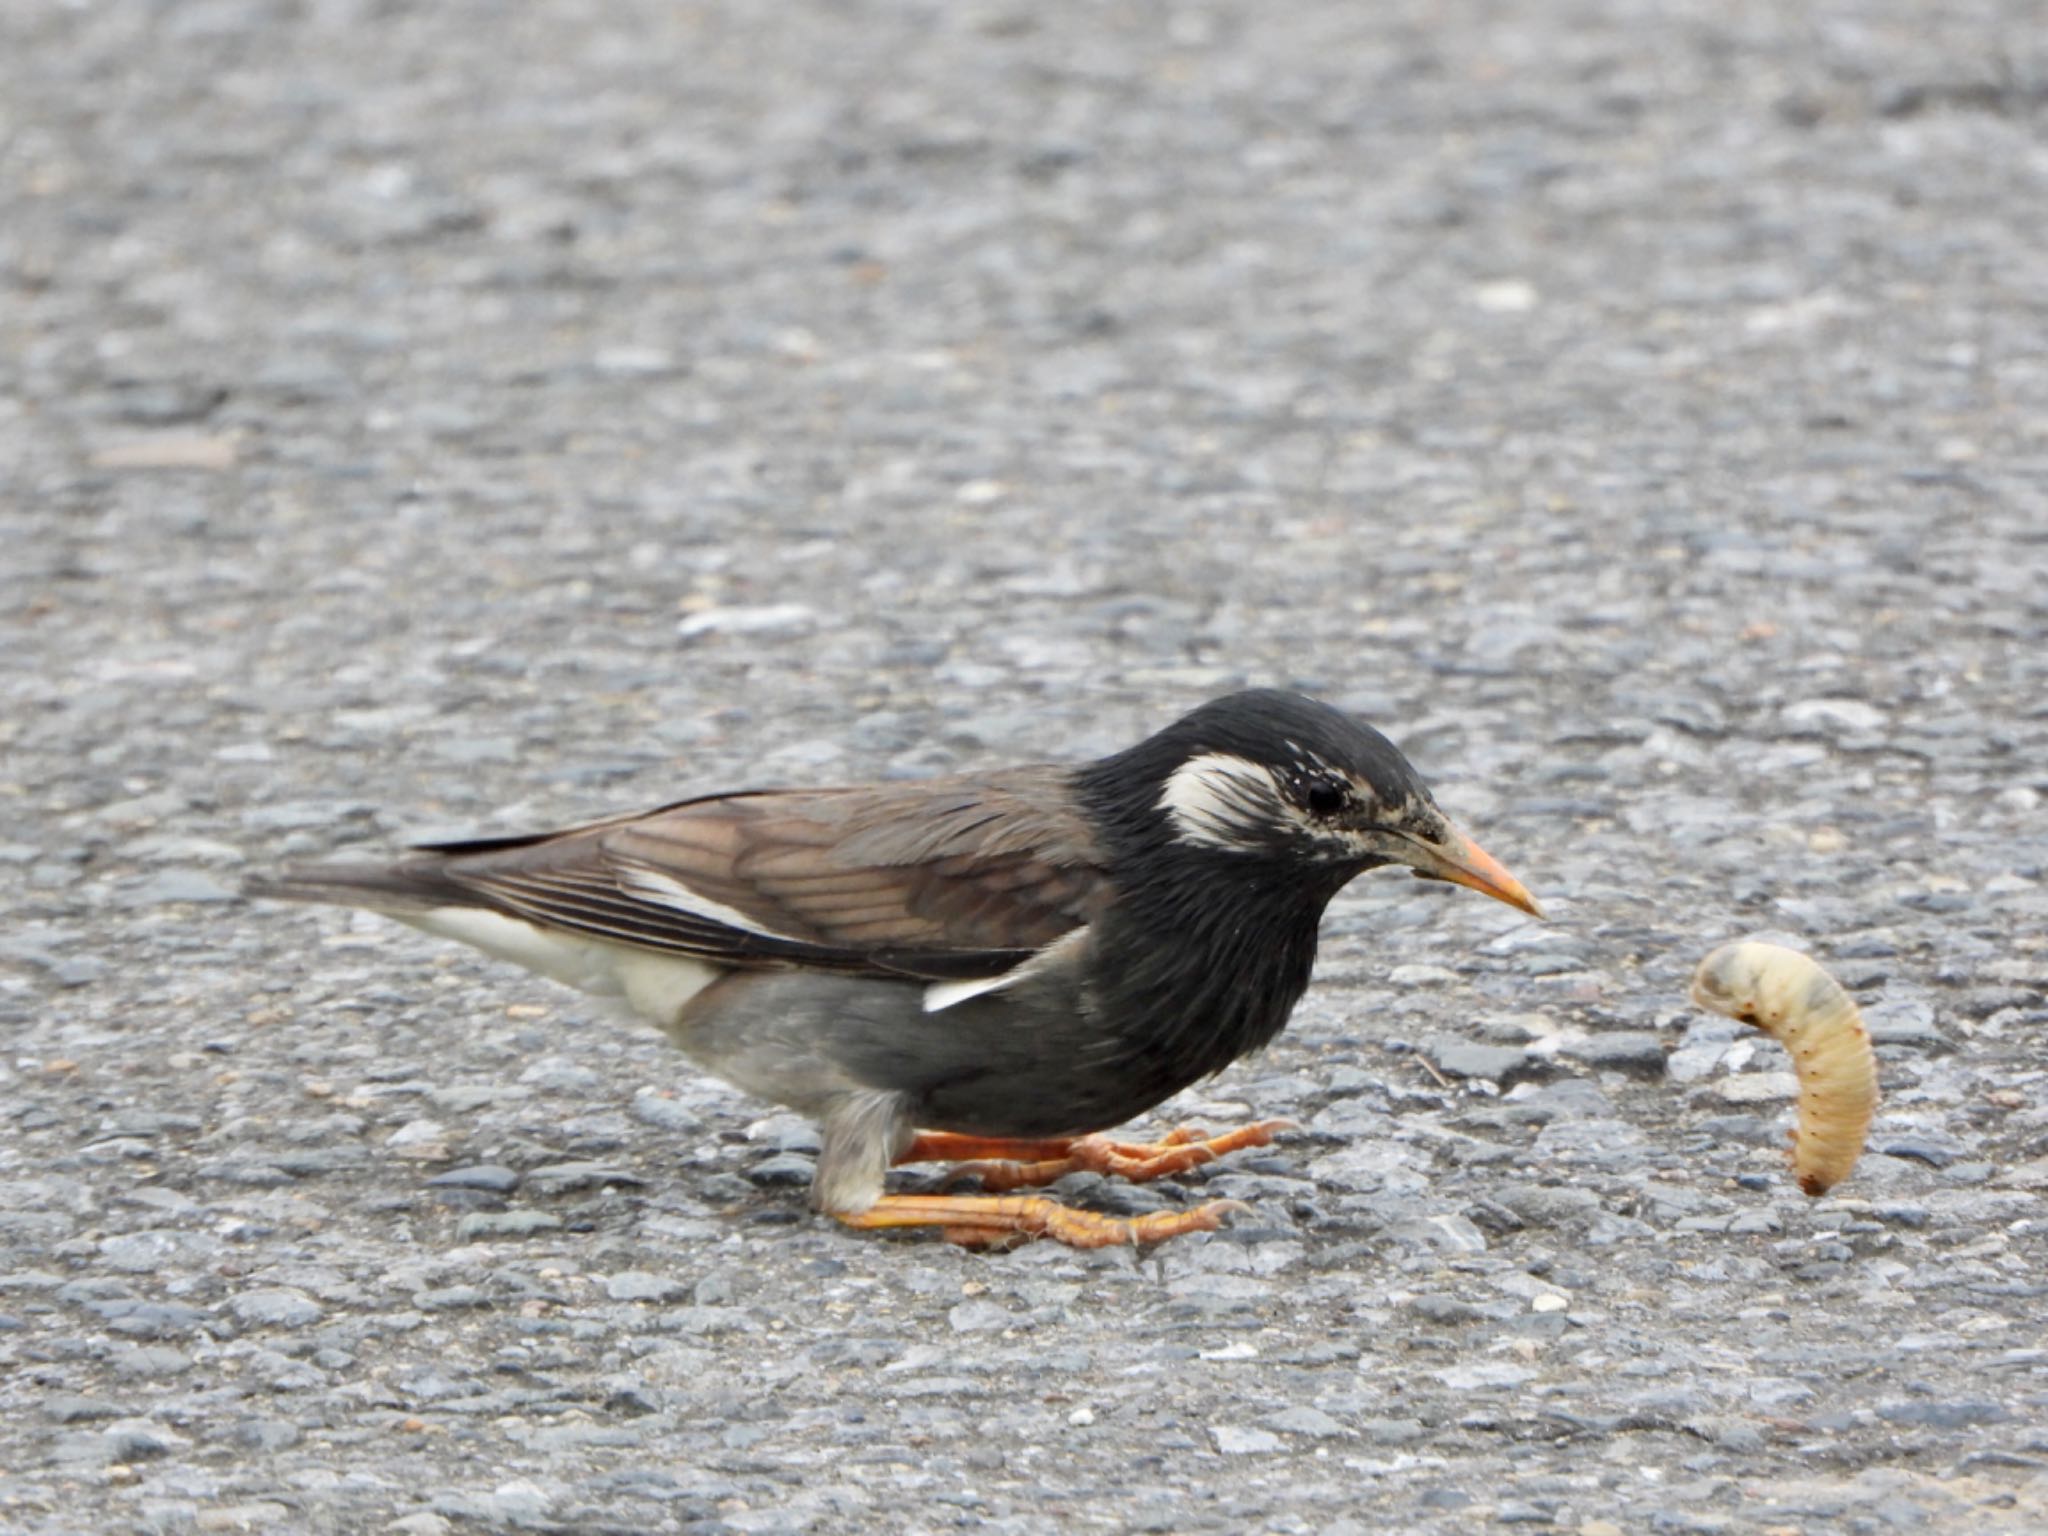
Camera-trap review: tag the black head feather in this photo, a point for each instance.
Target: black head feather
(1212, 937)
(1286, 730)
(1319, 758)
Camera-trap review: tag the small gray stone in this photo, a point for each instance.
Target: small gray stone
(714, 1290)
(1835, 717)
(765, 619)
(558, 1076)
(1485, 1376)
(76, 970)
(1304, 1420)
(979, 1315)
(174, 885)
(142, 1253)
(466, 1098)
(1239, 1440)
(519, 1506)
(1571, 1098)
(127, 1443)
(1421, 976)
(164, 402)
(265, 1434)
(74, 1407)
(484, 1176)
(1757, 1087)
(1449, 1310)
(1443, 1233)
(1905, 1023)
(1933, 1148)
(136, 1441)
(1546, 1205)
(1621, 1050)
(1391, 1431)
(481, 1226)
(1731, 1434)
(639, 1285)
(450, 1298)
(785, 1170)
(478, 749)
(250, 1515)
(151, 1319)
(254, 1173)
(1934, 1413)
(1464, 1058)
(150, 1360)
(562, 1178)
(790, 1133)
(275, 1307)
(1693, 1061)
(650, 1107)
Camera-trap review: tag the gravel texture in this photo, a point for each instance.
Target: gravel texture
(421, 419)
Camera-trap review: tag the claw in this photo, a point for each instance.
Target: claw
(1006, 1165)
(988, 1220)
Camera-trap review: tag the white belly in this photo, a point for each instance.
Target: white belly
(655, 986)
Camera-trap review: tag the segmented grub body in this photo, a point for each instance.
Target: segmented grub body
(1789, 997)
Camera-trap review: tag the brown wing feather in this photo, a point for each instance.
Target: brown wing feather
(949, 879)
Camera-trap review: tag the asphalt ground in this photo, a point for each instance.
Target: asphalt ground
(463, 417)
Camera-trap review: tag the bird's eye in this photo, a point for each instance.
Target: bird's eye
(1327, 798)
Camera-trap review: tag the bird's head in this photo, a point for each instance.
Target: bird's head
(1276, 777)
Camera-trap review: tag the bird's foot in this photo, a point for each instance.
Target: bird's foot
(1002, 1165)
(980, 1221)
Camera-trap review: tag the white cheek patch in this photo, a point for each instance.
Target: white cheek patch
(1221, 801)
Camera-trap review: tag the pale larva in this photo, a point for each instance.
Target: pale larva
(1789, 997)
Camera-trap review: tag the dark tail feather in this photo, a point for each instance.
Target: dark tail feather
(411, 885)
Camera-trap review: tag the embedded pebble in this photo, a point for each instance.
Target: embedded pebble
(1621, 1051)
(979, 1317)
(277, 1307)
(638, 1285)
(492, 1224)
(784, 1171)
(1303, 1420)
(1460, 1058)
(1757, 1087)
(484, 1176)
(563, 1178)
(1241, 1440)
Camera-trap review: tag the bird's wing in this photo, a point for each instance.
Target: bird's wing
(950, 879)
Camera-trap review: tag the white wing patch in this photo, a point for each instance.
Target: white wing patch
(652, 885)
(1221, 800)
(941, 995)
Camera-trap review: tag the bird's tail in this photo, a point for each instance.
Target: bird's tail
(409, 885)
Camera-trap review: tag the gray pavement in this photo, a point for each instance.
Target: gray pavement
(418, 419)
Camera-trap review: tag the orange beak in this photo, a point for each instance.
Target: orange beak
(1463, 862)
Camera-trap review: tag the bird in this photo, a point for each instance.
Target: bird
(989, 969)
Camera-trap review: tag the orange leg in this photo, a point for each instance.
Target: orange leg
(981, 1220)
(1003, 1165)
